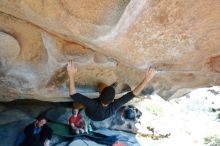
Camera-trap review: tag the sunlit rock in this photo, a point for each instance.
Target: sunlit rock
(114, 40)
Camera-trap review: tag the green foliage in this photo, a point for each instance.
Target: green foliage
(213, 140)
(218, 116)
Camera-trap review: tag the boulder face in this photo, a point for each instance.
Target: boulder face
(110, 40)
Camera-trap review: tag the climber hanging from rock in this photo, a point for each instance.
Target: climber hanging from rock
(105, 105)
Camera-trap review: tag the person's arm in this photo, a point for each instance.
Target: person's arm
(47, 142)
(149, 74)
(71, 69)
(73, 126)
(49, 132)
(137, 90)
(89, 103)
(122, 100)
(28, 131)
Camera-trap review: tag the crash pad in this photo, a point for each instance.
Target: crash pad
(60, 129)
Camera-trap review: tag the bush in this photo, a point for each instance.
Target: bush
(218, 116)
(213, 140)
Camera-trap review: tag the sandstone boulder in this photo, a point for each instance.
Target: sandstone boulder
(110, 40)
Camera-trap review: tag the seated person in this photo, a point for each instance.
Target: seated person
(77, 122)
(36, 134)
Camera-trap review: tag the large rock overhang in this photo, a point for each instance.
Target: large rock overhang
(114, 40)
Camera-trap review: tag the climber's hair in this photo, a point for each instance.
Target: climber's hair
(41, 117)
(107, 95)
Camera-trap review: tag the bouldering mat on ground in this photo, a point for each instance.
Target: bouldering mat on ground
(64, 130)
(60, 129)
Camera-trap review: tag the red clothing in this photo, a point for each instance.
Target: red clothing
(75, 120)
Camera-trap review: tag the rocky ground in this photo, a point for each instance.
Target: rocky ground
(193, 119)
